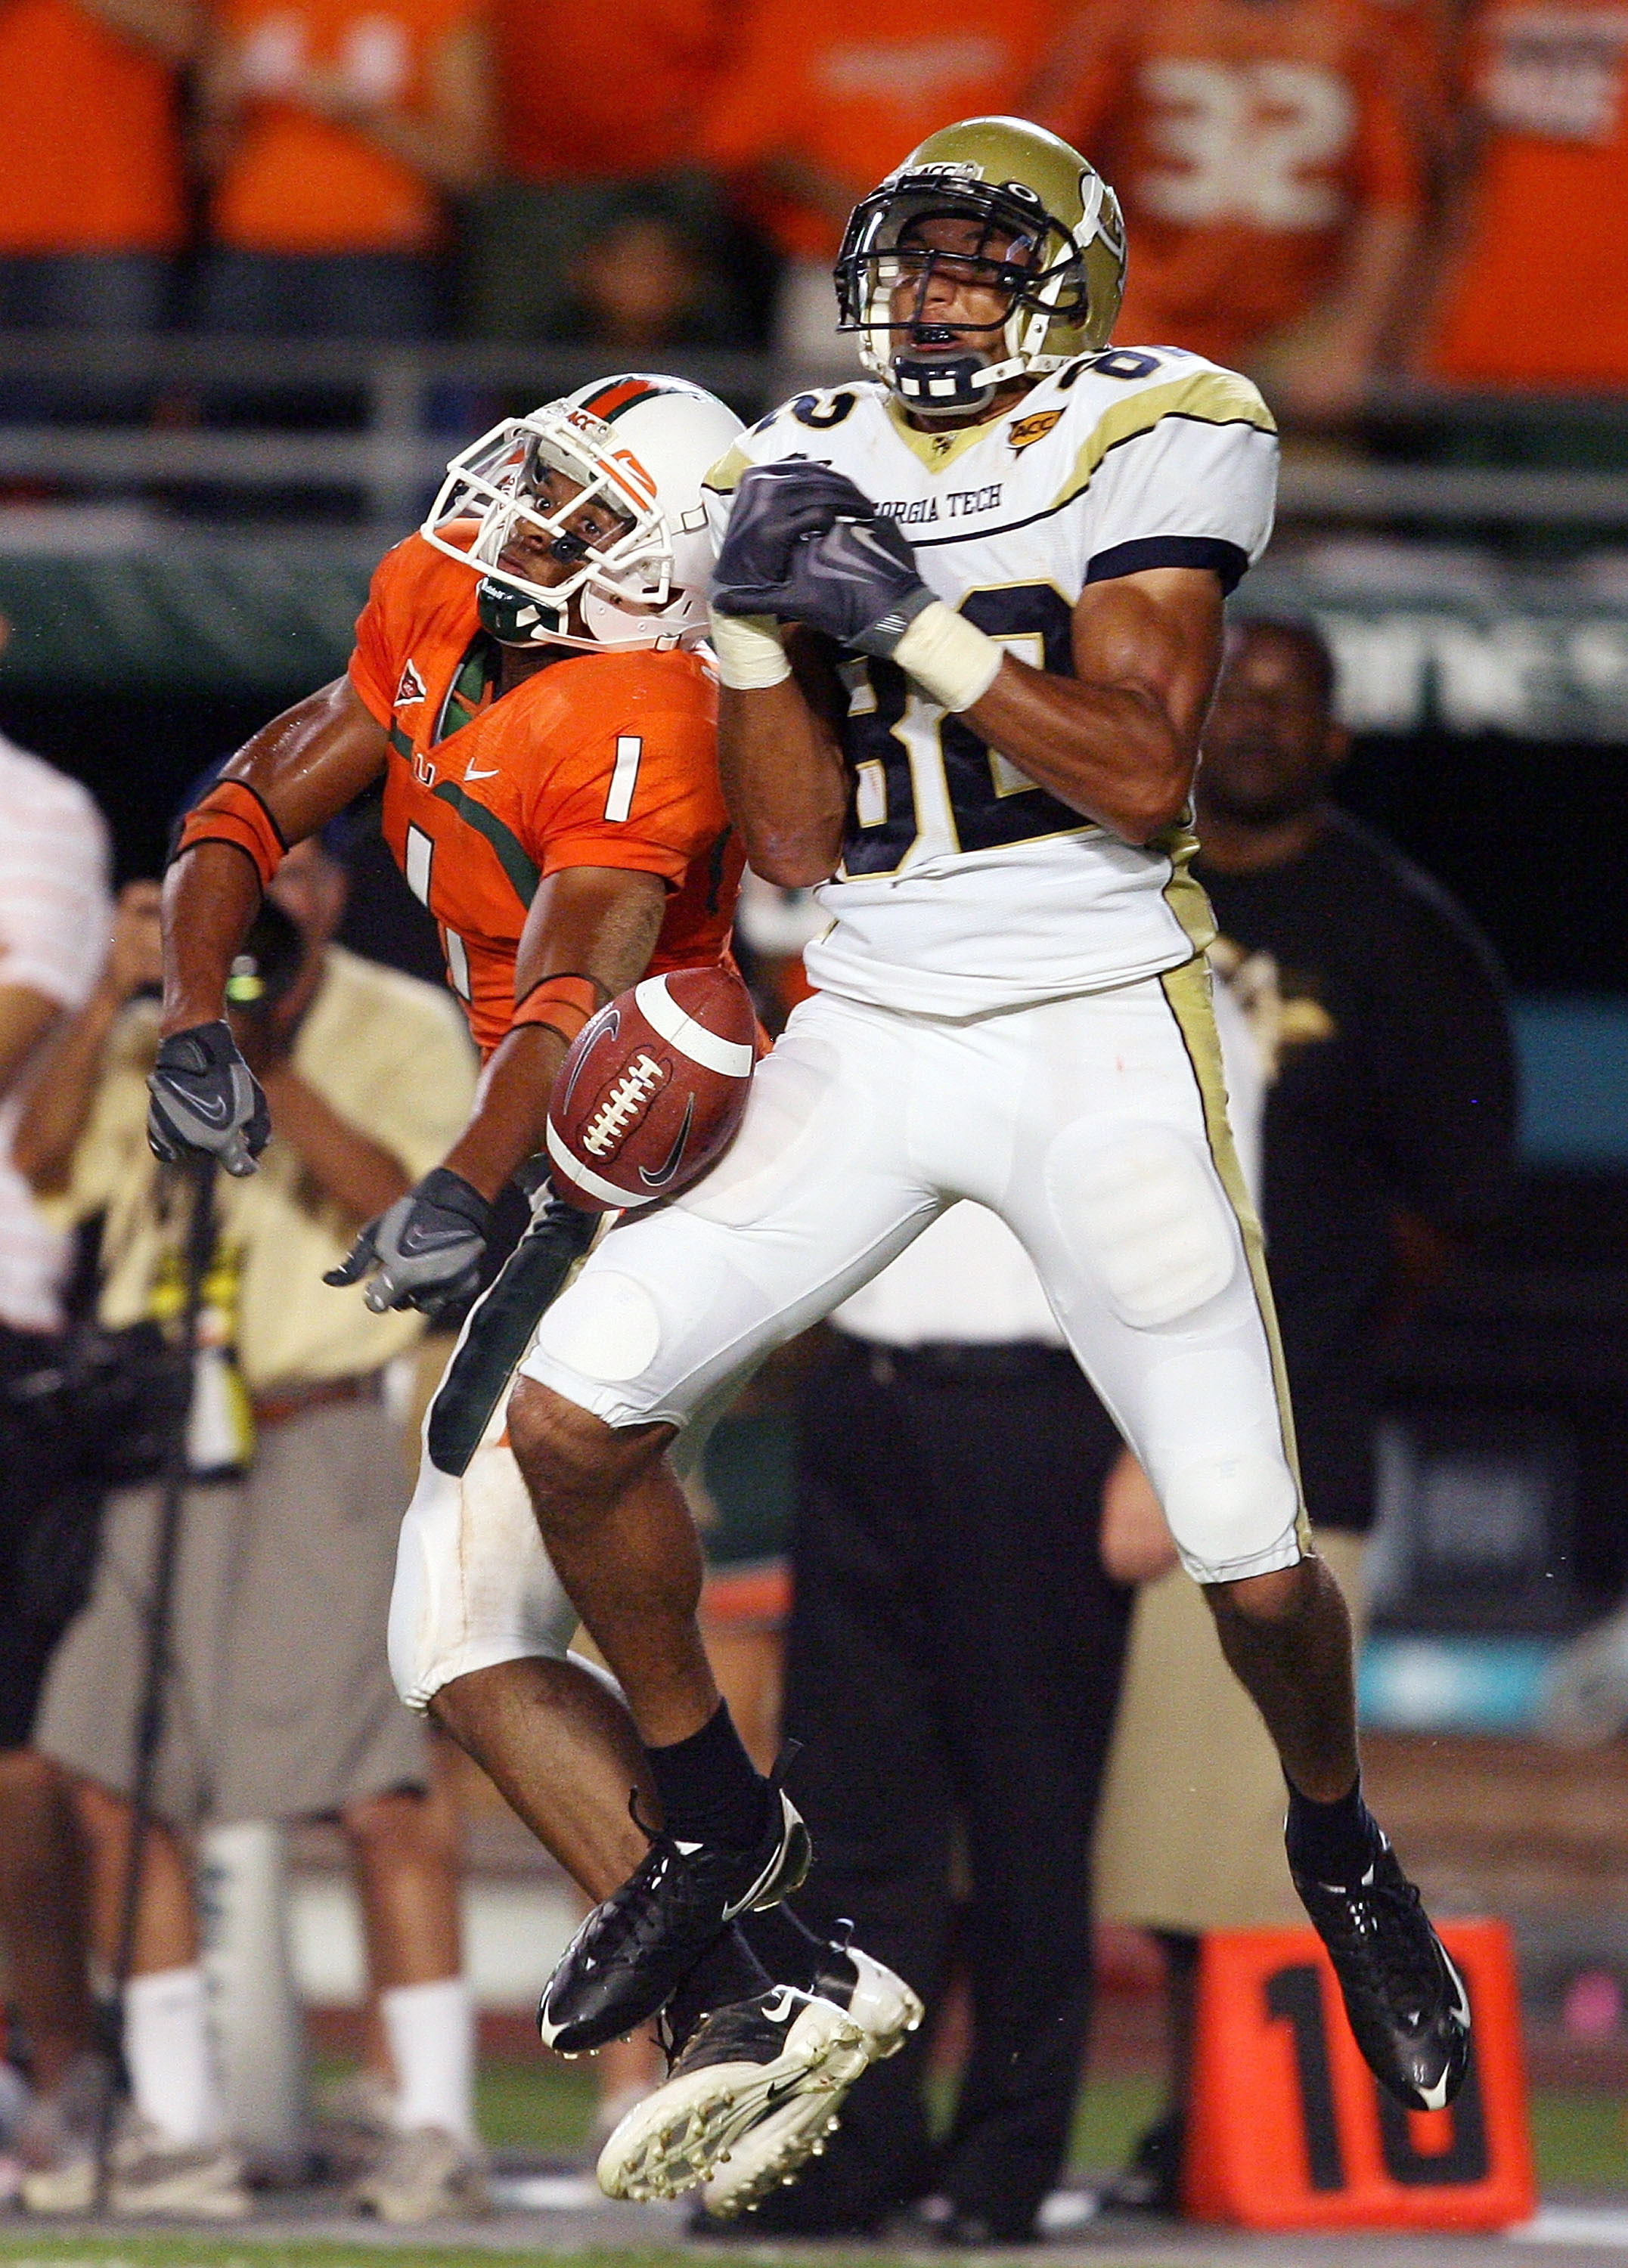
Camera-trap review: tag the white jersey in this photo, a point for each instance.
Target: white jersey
(963, 887)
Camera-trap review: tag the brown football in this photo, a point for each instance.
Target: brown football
(653, 1089)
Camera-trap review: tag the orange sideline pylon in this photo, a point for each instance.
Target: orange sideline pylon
(1288, 2129)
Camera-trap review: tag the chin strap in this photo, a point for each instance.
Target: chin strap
(936, 384)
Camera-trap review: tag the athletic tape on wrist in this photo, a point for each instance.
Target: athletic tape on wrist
(750, 655)
(232, 813)
(564, 1004)
(948, 656)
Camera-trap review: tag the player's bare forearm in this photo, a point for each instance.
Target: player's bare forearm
(1111, 753)
(597, 921)
(784, 783)
(305, 766)
(511, 1108)
(209, 898)
(1118, 742)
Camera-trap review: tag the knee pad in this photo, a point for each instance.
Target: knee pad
(1233, 1514)
(1142, 1212)
(474, 1585)
(607, 1327)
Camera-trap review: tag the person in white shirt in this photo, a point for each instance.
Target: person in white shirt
(54, 913)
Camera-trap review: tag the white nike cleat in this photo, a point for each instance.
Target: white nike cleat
(740, 2065)
(772, 2151)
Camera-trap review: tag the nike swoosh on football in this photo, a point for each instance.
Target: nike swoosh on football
(664, 1172)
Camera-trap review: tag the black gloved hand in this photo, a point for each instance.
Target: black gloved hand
(775, 507)
(206, 1101)
(812, 548)
(426, 1249)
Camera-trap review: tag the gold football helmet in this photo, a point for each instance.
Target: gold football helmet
(1061, 263)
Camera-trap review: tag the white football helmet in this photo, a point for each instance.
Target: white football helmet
(639, 444)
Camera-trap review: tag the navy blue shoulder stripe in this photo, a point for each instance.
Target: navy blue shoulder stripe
(1229, 560)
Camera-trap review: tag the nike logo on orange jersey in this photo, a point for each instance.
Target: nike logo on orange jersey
(475, 773)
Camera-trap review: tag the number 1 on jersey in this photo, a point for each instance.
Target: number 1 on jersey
(619, 802)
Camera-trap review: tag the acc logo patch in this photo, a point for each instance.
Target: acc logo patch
(1028, 430)
(411, 691)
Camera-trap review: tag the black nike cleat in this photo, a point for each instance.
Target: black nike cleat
(741, 2066)
(626, 1961)
(1409, 2011)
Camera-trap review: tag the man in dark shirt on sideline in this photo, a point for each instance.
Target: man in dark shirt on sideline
(1380, 1016)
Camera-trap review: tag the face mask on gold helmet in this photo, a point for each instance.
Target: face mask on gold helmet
(1059, 255)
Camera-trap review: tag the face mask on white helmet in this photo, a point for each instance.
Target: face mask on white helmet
(630, 454)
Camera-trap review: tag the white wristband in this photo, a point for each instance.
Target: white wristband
(749, 653)
(948, 656)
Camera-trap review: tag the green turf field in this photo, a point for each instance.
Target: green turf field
(1581, 2144)
(19, 2248)
(1581, 2138)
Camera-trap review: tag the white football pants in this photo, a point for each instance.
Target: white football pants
(474, 1585)
(1094, 1126)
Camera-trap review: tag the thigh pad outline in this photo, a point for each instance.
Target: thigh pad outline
(1141, 1209)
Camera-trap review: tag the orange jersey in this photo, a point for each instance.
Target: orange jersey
(562, 76)
(599, 760)
(1538, 295)
(298, 183)
(1242, 136)
(91, 158)
(851, 88)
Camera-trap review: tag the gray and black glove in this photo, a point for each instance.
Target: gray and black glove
(805, 545)
(427, 1248)
(206, 1101)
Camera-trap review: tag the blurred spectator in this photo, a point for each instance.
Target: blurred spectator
(92, 207)
(644, 282)
(1380, 1022)
(1270, 158)
(53, 934)
(279, 1702)
(816, 110)
(335, 132)
(597, 112)
(1537, 290)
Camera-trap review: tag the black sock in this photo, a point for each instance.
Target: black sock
(727, 1972)
(789, 1950)
(710, 1790)
(1334, 1843)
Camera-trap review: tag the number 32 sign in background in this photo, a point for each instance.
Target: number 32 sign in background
(1288, 2128)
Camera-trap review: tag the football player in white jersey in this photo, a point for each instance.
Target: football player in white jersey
(968, 617)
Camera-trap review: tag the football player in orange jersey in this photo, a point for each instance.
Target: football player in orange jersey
(525, 680)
